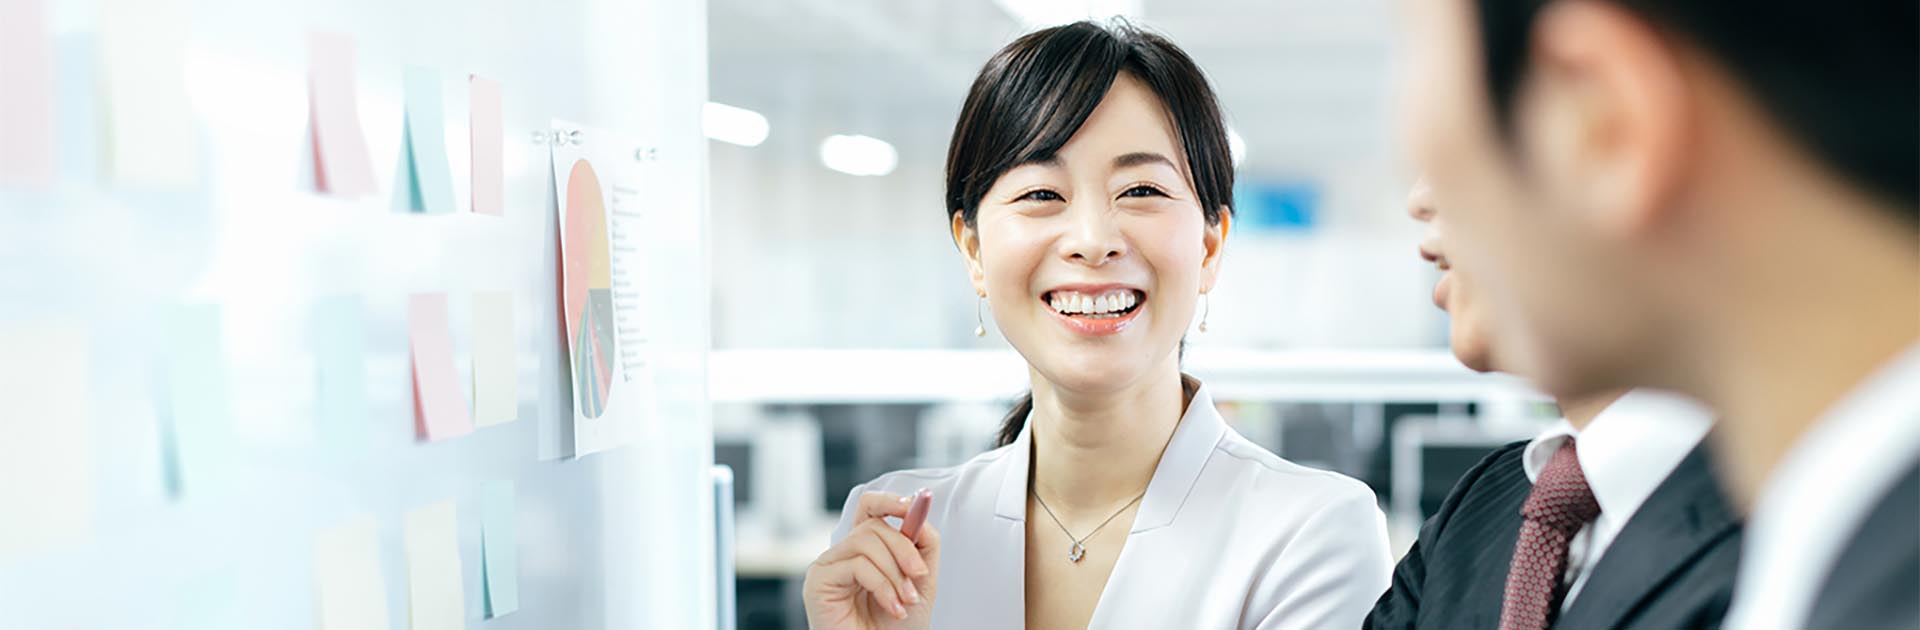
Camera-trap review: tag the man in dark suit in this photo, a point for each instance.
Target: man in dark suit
(1653, 543)
(1723, 199)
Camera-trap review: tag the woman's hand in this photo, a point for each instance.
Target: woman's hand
(874, 578)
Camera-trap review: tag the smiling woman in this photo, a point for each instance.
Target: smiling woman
(1089, 189)
(1006, 155)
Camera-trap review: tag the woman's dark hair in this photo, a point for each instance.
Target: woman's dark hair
(1840, 79)
(1035, 94)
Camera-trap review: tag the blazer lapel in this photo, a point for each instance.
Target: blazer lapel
(1684, 516)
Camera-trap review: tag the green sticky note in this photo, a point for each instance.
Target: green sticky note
(339, 350)
(426, 145)
(196, 419)
(499, 551)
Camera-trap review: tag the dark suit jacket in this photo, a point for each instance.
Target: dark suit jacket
(1672, 566)
(1875, 583)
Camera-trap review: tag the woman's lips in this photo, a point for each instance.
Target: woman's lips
(1440, 290)
(1093, 326)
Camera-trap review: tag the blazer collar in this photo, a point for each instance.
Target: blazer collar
(1193, 441)
(1685, 517)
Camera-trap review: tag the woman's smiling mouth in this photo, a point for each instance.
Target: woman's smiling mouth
(1095, 311)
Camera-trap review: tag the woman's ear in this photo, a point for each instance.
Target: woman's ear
(1214, 239)
(967, 239)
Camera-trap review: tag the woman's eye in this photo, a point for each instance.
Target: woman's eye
(1041, 195)
(1142, 191)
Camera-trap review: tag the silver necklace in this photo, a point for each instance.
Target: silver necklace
(1079, 550)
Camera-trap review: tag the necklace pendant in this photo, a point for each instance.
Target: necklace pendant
(1077, 553)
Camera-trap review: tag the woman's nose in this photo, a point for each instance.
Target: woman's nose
(1093, 239)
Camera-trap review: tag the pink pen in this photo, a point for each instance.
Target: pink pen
(917, 514)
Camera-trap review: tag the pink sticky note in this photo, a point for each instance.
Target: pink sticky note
(341, 165)
(26, 95)
(486, 123)
(439, 407)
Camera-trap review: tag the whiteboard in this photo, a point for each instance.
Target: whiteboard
(618, 539)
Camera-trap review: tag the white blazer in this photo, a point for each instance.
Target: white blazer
(1228, 536)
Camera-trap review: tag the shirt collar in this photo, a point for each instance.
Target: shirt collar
(1822, 489)
(1200, 429)
(1629, 448)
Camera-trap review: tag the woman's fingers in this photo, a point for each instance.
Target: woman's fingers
(871, 578)
(879, 505)
(886, 549)
(904, 552)
(872, 545)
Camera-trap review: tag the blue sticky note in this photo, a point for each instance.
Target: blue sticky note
(339, 348)
(195, 413)
(77, 116)
(499, 552)
(426, 145)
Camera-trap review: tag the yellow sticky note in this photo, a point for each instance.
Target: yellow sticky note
(435, 599)
(496, 392)
(150, 132)
(47, 494)
(346, 571)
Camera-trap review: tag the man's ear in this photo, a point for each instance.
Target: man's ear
(1214, 239)
(967, 239)
(1607, 114)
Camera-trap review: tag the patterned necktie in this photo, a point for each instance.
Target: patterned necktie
(1559, 505)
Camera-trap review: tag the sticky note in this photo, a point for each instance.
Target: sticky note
(47, 492)
(486, 126)
(151, 142)
(339, 346)
(499, 550)
(26, 95)
(203, 601)
(341, 165)
(496, 393)
(195, 413)
(440, 408)
(77, 116)
(351, 592)
(435, 600)
(430, 177)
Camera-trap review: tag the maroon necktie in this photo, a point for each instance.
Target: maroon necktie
(1559, 505)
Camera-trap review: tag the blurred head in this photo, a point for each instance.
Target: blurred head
(1601, 160)
(1088, 187)
(1458, 292)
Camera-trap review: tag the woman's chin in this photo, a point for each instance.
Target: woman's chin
(1094, 373)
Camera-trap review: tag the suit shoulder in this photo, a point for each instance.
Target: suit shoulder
(1298, 479)
(1496, 476)
(1503, 459)
(912, 479)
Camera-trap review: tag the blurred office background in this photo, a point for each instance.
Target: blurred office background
(843, 321)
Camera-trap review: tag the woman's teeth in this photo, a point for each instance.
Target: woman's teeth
(1110, 304)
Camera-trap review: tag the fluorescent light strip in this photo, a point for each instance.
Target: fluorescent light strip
(733, 125)
(858, 155)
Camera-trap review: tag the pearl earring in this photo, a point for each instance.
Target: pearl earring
(979, 322)
(1206, 308)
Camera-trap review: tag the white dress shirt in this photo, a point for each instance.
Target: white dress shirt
(1626, 452)
(1821, 491)
(1228, 535)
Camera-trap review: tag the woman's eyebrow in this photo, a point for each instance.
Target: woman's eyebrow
(1141, 158)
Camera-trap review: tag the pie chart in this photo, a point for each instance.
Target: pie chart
(587, 269)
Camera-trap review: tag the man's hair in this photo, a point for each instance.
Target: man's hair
(1842, 79)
